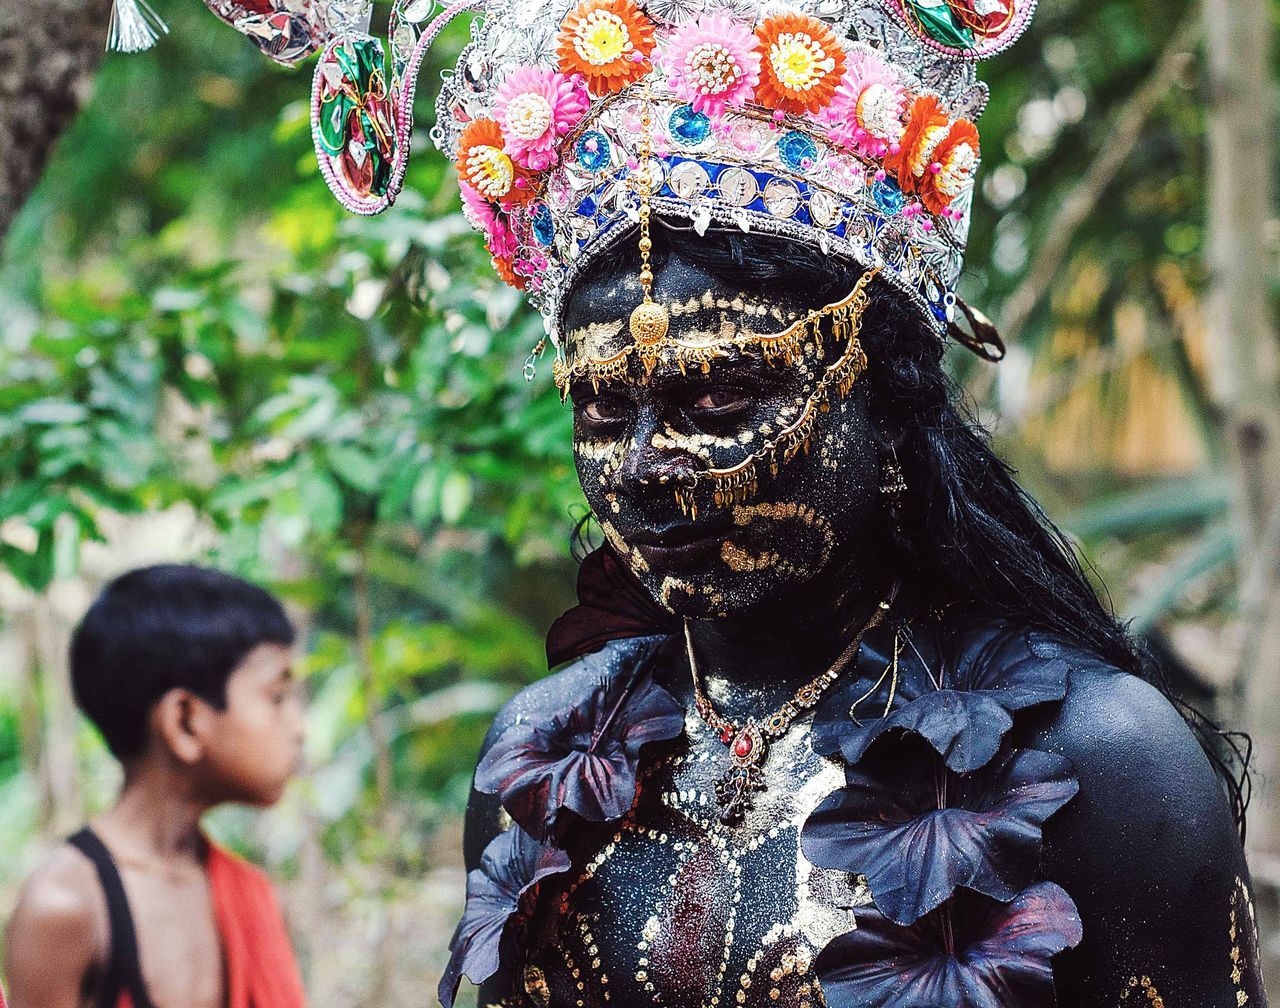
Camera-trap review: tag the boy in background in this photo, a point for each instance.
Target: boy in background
(186, 673)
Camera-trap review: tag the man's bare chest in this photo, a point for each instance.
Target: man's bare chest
(676, 908)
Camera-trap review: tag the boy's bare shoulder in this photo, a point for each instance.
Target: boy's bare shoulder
(64, 889)
(59, 923)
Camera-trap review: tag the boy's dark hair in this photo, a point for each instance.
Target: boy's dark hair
(157, 628)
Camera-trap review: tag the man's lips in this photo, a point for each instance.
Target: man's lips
(684, 545)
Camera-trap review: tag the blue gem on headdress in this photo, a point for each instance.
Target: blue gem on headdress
(544, 228)
(888, 197)
(798, 152)
(689, 126)
(593, 150)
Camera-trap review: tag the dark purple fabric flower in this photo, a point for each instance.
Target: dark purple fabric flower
(583, 759)
(612, 605)
(498, 891)
(972, 952)
(917, 830)
(957, 693)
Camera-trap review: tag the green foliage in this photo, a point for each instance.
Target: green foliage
(195, 321)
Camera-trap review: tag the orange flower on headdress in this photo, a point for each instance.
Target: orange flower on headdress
(950, 172)
(508, 274)
(927, 127)
(484, 164)
(801, 63)
(607, 41)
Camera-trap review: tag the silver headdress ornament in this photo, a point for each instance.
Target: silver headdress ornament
(843, 124)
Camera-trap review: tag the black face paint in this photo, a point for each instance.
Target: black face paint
(637, 439)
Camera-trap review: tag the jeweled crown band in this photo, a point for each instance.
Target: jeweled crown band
(793, 184)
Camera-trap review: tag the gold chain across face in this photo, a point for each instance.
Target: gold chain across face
(736, 483)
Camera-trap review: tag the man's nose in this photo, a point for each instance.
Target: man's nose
(648, 469)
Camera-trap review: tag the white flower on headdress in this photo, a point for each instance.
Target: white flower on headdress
(535, 107)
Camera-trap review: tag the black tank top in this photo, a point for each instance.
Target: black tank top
(124, 968)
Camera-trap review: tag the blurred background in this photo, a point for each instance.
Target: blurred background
(202, 357)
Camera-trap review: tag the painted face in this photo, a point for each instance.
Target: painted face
(640, 437)
(257, 742)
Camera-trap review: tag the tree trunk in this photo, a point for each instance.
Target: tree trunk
(49, 51)
(1246, 385)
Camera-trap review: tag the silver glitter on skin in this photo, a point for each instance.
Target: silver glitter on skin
(686, 912)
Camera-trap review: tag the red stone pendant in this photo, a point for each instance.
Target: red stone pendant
(748, 747)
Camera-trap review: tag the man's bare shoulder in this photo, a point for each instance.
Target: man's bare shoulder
(58, 931)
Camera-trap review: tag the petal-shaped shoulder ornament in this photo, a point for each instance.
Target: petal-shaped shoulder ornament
(972, 953)
(583, 757)
(957, 692)
(917, 831)
(499, 892)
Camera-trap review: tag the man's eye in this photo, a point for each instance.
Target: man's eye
(603, 409)
(719, 399)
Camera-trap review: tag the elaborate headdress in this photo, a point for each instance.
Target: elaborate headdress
(844, 124)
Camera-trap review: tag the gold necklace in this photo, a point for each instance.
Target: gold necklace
(748, 744)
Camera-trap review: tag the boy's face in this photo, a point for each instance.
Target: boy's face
(254, 745)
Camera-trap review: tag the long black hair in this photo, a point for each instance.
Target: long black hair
(969, 531)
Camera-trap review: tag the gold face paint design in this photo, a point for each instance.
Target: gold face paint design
(753, 424)
(631, 557)
(1243, 931)
(1143, 992)
(696, 349)
(739, 305)
(739, 559)
(734, 484)
(673, 586)
(697, 445)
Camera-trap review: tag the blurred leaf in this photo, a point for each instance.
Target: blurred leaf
(1166, 505)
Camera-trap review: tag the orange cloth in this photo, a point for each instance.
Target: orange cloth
(261, 969)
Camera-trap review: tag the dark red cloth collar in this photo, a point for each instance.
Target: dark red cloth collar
(612, 605)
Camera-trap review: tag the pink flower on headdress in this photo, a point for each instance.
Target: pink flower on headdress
(711, 62)
(866, 112)
(535, 107)
(484, 216)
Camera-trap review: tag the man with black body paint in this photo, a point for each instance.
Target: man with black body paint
(678, 908)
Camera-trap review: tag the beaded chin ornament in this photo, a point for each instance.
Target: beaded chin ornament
(843, 124)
